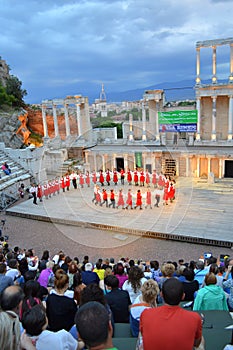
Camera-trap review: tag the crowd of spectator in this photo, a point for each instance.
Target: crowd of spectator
(43, 299)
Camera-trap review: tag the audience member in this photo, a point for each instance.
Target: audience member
(5, 281)
(210, 297)
(135, 281)
(99, 334)
(158, 326)
(189, 284)
(35, 323)
(88, 276)
(117, 299)
(228, 283)
(45, 274)
(147, 299)
(119, 272)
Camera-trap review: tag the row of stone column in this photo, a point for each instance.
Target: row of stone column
(214, 64)
(55, 121)
(213, 120)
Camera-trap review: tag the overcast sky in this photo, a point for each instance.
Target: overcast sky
(65, 47)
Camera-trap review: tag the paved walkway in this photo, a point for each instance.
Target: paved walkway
(200, 210)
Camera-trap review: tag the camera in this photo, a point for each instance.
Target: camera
(207, 255)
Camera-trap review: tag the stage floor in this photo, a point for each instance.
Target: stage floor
(200, 210)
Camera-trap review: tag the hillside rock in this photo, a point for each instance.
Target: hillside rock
(9, 124)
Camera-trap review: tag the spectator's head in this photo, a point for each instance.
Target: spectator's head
(88, 266)
(2, 268)
(210, 278)
(61, 280)
(134, 277)
(9, 331)
(73, 267)
(112, 282)
(119, 269)
(13, 263)
(214, 268)
(92, 292)
(150, 290)
(11, 299)
(34, 320)
(168, 270)
(50, 264)
(77, 280)
(29, 276)
(189, 274)
(172, 291)
(45, 255)
(200, 265)
(154, 264)
(99, 334)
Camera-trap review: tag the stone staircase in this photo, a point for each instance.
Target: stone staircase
(9, 184)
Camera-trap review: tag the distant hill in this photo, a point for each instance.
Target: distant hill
(174, 91)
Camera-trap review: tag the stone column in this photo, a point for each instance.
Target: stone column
(144, 161)
(157, 136)
(131, 138)
(198, 79)
(55, 121)
(230, 118)
(113, 161)
(214, 78)
(198, 166)
(95, 163)
(208, 165)
(67, 120)
(198, 135)
(45, 126)
(213, 134)
(220, 173)
(143, 122)
(79, 119)
(86, 157)
(187, 165)
(126, 165)
(231, 64)
(103, 163)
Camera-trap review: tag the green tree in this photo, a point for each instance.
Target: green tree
(106, 124)
(5, 99)
(14, 88)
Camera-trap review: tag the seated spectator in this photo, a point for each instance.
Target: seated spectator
(88, 276)
(135, 281)
(210, 297)
(5, 281)
(46, 274)
(31, 296)
(200, 272)
(158, 325)
(66, 263)
(119, 272)
(6, 169)
(61, 284)
(43, 261)
(189, 284)
(228, 283)
(117, 299)
(35, 323)
(147, 299)
(9, 331)
(12, 269)
(72, 269)
(11, 299)
(99, 270)
(60, 308)
(78, 286)
(107, 272)
(99, 334)
(156, 272)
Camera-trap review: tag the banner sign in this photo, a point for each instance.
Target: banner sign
(178, 121)
(138, 159)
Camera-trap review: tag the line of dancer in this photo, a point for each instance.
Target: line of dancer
(134, 199)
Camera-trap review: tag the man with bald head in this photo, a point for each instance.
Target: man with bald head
(11, 299)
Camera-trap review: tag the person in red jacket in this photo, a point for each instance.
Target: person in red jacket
(105, 198)
(112, 199)
(138, 200)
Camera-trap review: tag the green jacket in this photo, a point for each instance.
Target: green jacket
(210, 297)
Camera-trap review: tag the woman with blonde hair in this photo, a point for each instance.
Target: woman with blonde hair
(147, 299)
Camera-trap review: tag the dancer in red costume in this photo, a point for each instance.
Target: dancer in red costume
(129, 200)
(39, 192)
(62, 181)
(88, 179)
(129, 177)
(148, 198)
(115, 177)
(154, 178)
(68, 182)
(142, 178)
(139, 200)
(101, 178)
(108, 177)
(94, 177)
(120, 200)
(81, 180)
(135, 177)
(147, 178)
